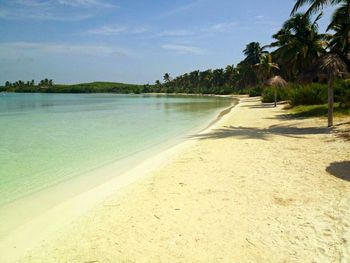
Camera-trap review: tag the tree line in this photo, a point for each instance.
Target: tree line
(28, 84)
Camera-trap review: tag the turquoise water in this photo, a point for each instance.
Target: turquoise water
(46, 139)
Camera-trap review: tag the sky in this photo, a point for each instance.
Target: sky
(131, 41)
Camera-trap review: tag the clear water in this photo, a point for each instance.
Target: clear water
(48, 138)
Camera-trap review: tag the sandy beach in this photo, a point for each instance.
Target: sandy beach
(257, 186)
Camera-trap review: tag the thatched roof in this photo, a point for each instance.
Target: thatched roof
(333, 63)
(319, 70)
(277, 81)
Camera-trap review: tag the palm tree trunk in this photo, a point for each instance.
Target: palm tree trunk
(275, 97)
(330, 99)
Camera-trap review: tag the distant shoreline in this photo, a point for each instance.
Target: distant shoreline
(94, 87)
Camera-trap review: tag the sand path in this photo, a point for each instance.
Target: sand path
(259, 187)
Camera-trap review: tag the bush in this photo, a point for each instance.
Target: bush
(268, 94)
(256, 91)
(342, 93)
(310, 94)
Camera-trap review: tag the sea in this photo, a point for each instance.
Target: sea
(48, 139)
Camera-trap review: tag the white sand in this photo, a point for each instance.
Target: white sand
(252, 189)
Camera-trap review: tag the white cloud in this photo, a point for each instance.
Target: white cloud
(259, 17)
(44, 15)
(86, 3)
(199, 32)
(117, 29)
(176, 33)
(31, 3)
(16, 50)
(180, 9)
(183, 49)
(60, 10)
(221, 27)
(107, 30)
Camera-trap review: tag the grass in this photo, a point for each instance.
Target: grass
(318, 111)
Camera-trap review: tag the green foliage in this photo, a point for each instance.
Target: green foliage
(268, 94)
(46, 86)
(314, 93)
(342, 93)
(97, 87)
(256, 91)
(310, 94)
(318, 110)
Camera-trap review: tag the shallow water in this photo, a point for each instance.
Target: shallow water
(46, 139)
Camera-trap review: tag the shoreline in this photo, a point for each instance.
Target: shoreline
(15, 244)
(256, 187)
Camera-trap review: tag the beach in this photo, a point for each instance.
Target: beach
(258, 186)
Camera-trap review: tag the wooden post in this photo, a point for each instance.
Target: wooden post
(330, 99)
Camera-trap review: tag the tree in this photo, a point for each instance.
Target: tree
(166, 77)
(253, 52)
(266, 67)
(340, 24)
(333, 66)
(205, 78)
(298, 44)
(231, 74)
(316, 5)
(246, 73)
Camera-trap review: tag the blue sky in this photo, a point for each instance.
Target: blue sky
(133, 41)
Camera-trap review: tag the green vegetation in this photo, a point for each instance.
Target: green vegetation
(318, 111)
(47, 86)
(99, 87)
(310, 94)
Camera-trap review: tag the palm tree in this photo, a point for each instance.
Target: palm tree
(253, 52)
(246, 75)
(298, 44)
(333, 66)
(340, 40)
(166, 77)
(266, 67)
(230, 76)
(316, 5)
(205, 78)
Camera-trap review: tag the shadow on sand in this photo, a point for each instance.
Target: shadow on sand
(260, 106)
(340, 170)
(262, 134)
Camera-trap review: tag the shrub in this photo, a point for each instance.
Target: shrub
(310, 94)
(268, 94)
(256, 91)
(342, 93)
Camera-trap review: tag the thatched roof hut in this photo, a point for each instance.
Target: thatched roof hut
(276, 81)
